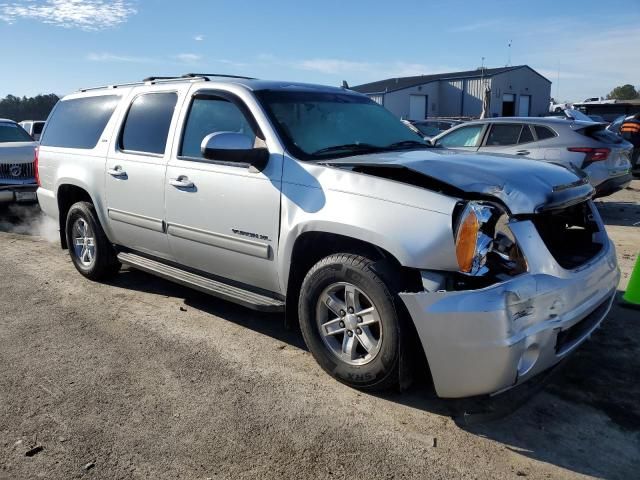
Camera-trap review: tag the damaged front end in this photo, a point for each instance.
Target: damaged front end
(536, 273)
(499, 324)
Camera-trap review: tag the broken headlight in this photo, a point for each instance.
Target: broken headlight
(484, 241)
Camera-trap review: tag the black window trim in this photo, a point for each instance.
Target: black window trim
(119, 148)
(213, 94)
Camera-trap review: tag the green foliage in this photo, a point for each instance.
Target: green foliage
(31, 108)
(624, 92)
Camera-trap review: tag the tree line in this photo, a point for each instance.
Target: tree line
(27, 108)
(624, 92)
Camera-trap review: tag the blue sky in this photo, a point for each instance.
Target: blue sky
(61, 45)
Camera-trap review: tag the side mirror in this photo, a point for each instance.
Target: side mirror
(234, 147)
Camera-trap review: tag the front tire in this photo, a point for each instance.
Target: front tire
(91, 252)
(349, 321)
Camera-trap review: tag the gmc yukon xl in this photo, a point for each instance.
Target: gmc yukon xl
(318, 201)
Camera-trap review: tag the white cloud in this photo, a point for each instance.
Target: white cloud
(188, 57)
(591, 64)
(473, 27)
(331, 65)
(84, 14)
(198, 38)
(110, 57)
(358, 70)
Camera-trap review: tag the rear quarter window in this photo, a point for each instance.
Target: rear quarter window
(544, 133)
(79, 122)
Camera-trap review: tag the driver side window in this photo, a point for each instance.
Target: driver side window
(468, 136)
(211, 115)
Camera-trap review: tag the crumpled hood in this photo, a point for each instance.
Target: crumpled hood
(525, 186)
(17, 152)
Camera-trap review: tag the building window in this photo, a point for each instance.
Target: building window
(377, 98)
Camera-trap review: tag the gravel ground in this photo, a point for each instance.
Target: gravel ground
(141, 378)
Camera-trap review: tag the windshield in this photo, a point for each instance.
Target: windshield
(10, 132)
(324, 125)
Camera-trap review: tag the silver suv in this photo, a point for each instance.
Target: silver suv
(317, 200)
(602, 155)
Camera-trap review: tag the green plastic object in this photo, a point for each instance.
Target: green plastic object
(631, 297)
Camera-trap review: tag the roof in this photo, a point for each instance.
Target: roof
(400, 83)
(534, 120)
(6, 120)
(213, 79)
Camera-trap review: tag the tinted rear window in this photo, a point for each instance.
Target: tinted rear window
(504, 134)
(543, 132)
(78, 123)
(37, 128)
(147, 125)
(10, 132)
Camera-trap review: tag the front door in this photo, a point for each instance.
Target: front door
(223, 218)
(508, 105)
(466, 137)
(135, 174)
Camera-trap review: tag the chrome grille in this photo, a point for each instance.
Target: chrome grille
(17, 171)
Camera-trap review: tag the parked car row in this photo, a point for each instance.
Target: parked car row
(17, 168)
(317, 201)
(587, 146)
(430, 128)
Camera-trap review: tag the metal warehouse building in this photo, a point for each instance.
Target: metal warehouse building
(514, 91)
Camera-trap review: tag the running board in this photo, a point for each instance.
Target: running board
(246, 298)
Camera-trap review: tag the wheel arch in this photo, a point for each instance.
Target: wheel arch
(67, 194)
(311, 246)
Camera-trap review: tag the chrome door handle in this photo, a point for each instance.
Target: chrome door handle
(523, 152)
(181, 182)
(117, 172)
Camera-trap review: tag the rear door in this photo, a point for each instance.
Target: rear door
(509, 139)
(135, 172)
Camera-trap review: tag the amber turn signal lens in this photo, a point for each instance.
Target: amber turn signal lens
(466, 240)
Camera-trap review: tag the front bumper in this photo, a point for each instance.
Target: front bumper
(613, 185)
(486, 341)
(18, 193)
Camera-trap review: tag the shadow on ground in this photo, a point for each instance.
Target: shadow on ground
(544, 423)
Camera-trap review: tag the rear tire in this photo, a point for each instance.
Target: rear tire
(91, 251)
(350, 322)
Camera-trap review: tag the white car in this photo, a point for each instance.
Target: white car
(33, 127)
(17, 164)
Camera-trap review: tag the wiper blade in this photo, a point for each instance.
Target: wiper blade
(350, 147)
(408, 144)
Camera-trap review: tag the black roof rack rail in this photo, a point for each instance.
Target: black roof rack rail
(223, 75)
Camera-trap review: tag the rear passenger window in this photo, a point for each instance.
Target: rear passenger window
(146, 127)
(211, 115)
(543, 132)
(501, 135)
(525, 135)
(79, 122)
